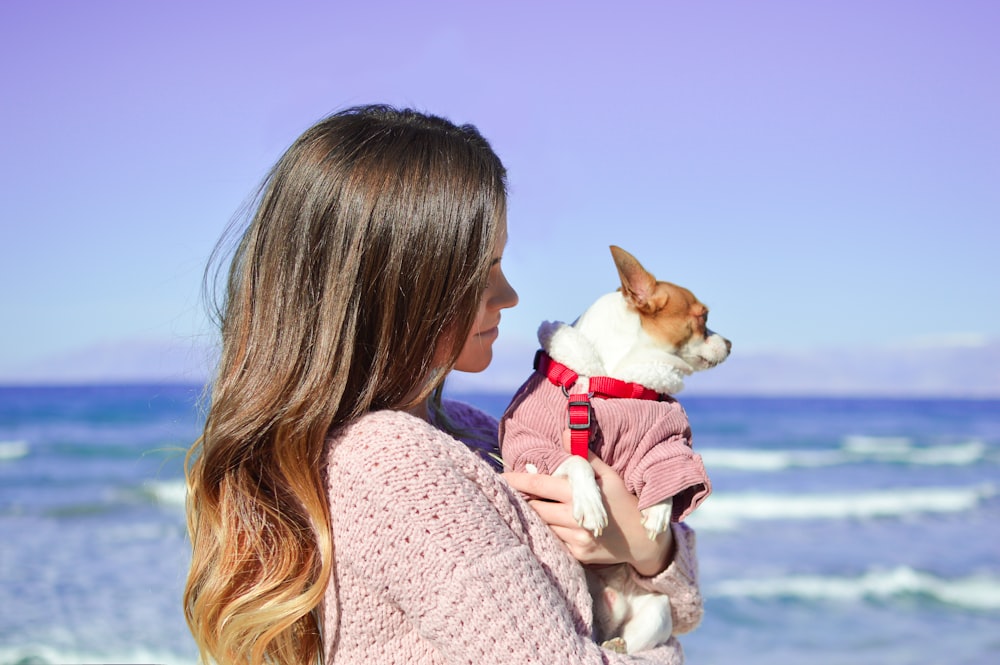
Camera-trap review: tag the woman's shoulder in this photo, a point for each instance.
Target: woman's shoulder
(391, 456)
(468, 418)
(390, 439)
(380, 433)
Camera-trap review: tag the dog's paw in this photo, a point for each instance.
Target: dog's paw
(656, 518)
(615, 645)
(588, 509)
(588, 505)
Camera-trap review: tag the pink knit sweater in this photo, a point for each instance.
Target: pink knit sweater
(438, 560)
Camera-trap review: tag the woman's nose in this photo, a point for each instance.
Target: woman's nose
(505, 296)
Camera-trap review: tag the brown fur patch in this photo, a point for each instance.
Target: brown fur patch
(668, 312)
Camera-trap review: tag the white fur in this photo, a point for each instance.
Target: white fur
(608, 340)
(622, 608)
(589, 347)
(707, 353)
(611, 329)
(588, 504)
(566, 345)
(656, 518)
(649, 623)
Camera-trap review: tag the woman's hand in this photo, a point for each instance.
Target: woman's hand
(623, 541)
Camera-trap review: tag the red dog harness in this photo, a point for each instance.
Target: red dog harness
(579, 409)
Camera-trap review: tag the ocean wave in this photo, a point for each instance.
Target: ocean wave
(167, 492)
(12, 450)
(975, 592)
(853, 450)
(769, 460)
(902, 450)
(726, 511)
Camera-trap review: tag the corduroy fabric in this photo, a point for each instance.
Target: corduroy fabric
(438, 560)
(647, 443)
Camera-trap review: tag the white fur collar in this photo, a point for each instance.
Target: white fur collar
(566, 345)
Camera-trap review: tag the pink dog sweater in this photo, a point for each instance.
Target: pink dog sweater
(438, 560)
(648, 443)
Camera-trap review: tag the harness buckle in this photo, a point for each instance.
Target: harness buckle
(573, 407)
(569, 416)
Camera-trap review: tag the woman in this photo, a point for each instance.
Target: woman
(338, 509)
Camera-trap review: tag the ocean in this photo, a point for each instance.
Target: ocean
(839, 531)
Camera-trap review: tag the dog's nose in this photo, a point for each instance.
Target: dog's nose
(729, 345)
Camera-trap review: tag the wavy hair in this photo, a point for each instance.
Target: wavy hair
(351, 289)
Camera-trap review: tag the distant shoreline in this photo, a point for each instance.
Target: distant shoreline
(692, 395)
(893, 372)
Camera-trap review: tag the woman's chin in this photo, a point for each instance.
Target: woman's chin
(476, 364)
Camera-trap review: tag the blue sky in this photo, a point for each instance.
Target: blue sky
(822, 174)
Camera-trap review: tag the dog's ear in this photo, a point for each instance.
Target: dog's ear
(637, 283)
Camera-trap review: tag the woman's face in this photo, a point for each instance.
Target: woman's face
(478, 349)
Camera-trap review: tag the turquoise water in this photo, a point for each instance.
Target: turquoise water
(839, 530)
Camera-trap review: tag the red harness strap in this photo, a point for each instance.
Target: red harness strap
(579, 409)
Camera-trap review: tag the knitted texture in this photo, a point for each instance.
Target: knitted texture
(647, 443)
(438, 560)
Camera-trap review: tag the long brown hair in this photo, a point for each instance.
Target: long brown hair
(367, 254)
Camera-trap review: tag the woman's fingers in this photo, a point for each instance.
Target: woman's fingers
(540, 486)
(580, 543)
(623, 540)
(555, 513)
(551, 498)
(600, 468)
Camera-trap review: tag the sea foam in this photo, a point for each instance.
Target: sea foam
(12, 450)
(853, 450)
(168, 493)
(727, 511)
(975, 592)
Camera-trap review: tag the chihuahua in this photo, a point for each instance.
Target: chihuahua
(609, 377)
